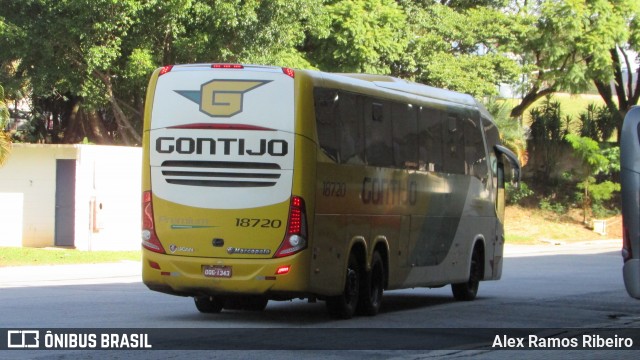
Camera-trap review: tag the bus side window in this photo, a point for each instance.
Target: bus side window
(430, 139)
(454, 158)
(475, 153)
(351, 133)
(326, 103)
(405, 136)
(379, 148)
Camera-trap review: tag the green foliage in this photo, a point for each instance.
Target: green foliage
(5, 139)
(595, 161)
(572, 45)
(98, 54)
(365, 36)
(597, 123)
(557, 208)
(459, 47)
(516, 195)
(547, 122)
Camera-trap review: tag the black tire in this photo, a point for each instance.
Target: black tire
(255, 303)
(372, 288)
(248, 303)
(467, 291)
(208, 304)
(344, 305)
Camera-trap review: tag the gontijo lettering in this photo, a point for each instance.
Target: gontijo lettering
(221, 146)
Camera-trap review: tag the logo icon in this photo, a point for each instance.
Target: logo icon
(222, 98)
(23, 339)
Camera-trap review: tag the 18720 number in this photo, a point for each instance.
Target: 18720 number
(262, 223)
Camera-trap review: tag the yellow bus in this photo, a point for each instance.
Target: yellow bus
(264, 183)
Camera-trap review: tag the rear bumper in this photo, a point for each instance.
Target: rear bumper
(184, 276)
(631, 275)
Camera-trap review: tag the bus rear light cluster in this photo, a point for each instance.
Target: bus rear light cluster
(150, 239)
(282, 270)
(165, 69)
(295, 239)
(289, 72)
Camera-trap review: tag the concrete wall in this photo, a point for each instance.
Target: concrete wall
(107, 196)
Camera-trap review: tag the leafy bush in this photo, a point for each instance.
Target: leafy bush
(557, 208)
(515, 195)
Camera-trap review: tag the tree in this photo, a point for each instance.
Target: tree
(87, 63)
(365, 36)
(5, 139)
(572, 44)
(594, 162)
(67, 50)
(458, 46)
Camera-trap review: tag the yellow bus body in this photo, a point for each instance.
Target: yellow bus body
(228, 151)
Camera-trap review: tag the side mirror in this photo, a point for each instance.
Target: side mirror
(512, 159)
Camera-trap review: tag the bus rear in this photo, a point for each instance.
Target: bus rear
(219, 217)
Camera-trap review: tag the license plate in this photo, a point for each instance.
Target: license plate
(216, 271)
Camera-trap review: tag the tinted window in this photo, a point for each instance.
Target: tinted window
(326, 102)
(351, 135)
(476, 160)
(453, 152)
(405, 135)
(379, 149)
(430, 144)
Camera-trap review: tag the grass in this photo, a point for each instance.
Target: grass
(57, 256)
(526, 226)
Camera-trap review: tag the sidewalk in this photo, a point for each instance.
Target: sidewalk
(562, 248)
(130, 271)
(80, 274)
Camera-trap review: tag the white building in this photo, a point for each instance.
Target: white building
(81, 196)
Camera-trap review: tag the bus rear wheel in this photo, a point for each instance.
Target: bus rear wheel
(467, 291)
(372, 288)
(208, 304)
(344, 305)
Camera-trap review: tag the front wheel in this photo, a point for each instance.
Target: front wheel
(344, 305)
(467, 291)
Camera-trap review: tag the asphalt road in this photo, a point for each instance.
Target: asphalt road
(552, 291)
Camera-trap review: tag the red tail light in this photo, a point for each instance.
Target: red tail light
(295, 240)
(289, 72)
(150, 240)
(165, 70)
(227, 66)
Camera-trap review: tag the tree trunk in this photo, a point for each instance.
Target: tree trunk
(531, 97)
(73, 129)
(97, 131)
(125, 129)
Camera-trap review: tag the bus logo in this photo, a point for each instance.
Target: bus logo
(222, 98)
